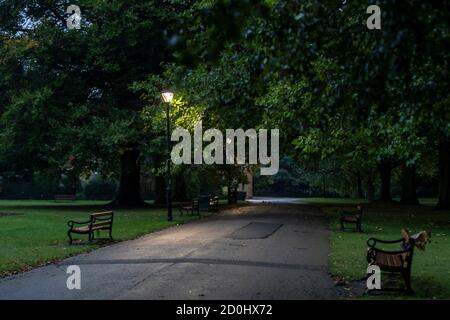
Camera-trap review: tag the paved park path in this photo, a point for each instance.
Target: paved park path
(260, 251)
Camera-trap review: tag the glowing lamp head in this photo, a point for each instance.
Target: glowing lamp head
(167, 96)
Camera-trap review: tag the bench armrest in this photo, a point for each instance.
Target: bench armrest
(72, 222)
(372, 242)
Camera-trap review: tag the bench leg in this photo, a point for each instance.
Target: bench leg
(342, 225)
(91, 236)
(359, 226)
(407, 277)
(110, 234)
(70, 237)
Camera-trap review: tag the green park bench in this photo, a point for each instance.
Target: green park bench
(64, 197)
(202, 203)
(190, 207)
(400, 260)
(214, 204)
(98, 221)
(352, 218)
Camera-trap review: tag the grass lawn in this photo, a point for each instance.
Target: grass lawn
(431, 268)
(34, 232)
(331, 201)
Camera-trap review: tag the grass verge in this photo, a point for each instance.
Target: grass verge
(34, 233)
(430, 269)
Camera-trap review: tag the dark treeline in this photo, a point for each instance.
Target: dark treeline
(361, 112)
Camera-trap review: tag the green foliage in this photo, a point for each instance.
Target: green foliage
(290, 181)
(354, 97)
(99, 189)
(342, 95)
(72, 96)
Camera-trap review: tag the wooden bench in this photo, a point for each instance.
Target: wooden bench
(352, 218)
(64, 198)
(98, 221)
(190, 207)
(214, 204)
(399, 261)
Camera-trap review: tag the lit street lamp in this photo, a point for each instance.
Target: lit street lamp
(167, 97)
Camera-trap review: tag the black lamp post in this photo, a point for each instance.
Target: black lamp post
(167, 97)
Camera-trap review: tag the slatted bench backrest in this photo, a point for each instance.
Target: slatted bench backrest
(65, 197)
(100, 219)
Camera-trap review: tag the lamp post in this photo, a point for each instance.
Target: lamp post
(167, 97)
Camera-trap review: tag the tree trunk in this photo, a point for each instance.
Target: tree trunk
(160, 190)
(409, 195)
(130, 174)
(230, 192)
(72, 183)
(444, 175)
(249, 185)
(324, 187)
(360, 189)
(385, 170)
(370, 188)
(231, 189)
(179, 192)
